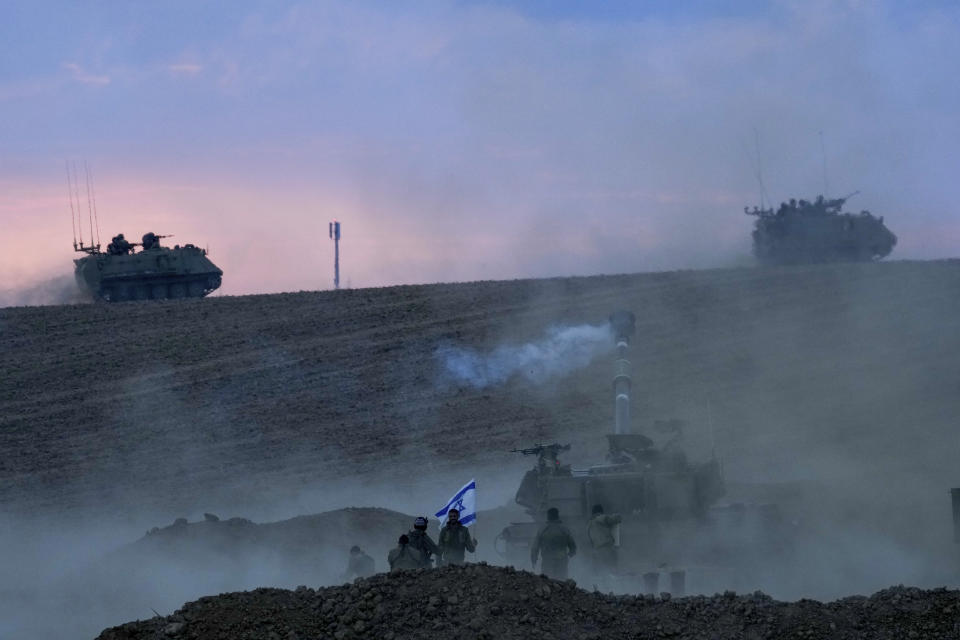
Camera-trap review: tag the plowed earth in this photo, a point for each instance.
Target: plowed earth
(189, 403)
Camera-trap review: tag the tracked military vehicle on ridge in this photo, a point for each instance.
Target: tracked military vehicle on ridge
(803, 232)
(154, 272)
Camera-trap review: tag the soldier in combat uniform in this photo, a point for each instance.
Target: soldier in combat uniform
(555, 544)
(600, 534)
(404, 557)
(454, 540)
(420, 539)
(119, 246)
(360, 564)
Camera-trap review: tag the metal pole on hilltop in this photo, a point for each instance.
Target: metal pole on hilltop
(335, 236)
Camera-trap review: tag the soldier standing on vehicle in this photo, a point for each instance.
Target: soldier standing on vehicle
(454, 540)
(600, 532)
(555, 545)
(404, 557)
(360, 564)
(420, 539)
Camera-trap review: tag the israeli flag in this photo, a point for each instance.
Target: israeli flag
(464, 501)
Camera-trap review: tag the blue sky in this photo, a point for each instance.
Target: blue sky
(465, 140)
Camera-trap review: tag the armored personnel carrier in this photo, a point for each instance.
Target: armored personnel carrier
(671, 517)
(154, 272)
(800, 232)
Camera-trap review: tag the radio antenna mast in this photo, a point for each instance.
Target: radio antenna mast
(73, 215)
(89, 205)
(76, 194)
(823, 155)
(335, 236)
(93, 192)
(763, 190)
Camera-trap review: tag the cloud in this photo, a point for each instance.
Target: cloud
(83, 77)
(185, 69)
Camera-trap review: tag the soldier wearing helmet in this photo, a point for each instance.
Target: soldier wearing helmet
(420, 539)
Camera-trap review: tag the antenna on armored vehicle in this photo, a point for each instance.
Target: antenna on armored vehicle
(335, 236)
(73, 214)
(763, 190)
(76, 213)
(76, 193)
(823, 157)
(89, 207)
(92, 195)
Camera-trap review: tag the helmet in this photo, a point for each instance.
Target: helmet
(420, 523)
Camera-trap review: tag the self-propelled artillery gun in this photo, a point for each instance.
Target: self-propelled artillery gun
(672, 519)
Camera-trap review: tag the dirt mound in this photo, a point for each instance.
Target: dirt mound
(480, 601)
(295, 538)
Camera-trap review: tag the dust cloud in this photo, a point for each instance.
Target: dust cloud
(58, 290)
(73, 576)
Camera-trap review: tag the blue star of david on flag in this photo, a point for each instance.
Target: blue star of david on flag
(464, 501)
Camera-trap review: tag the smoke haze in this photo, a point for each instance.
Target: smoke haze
(562, 350)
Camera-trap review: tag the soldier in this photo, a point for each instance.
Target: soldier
(600, 533)
(555, 544)
(119, 246)
(454, 540)
(360, 564)
(149, 241)
(420, 539)
(404, 557)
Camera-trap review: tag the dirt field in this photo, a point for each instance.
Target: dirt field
(821, 373)
(831, 390)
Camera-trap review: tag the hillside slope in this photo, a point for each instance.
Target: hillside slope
(842, 374)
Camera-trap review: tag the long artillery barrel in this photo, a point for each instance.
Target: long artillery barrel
(623, 324)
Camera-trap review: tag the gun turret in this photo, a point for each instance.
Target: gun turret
(543, 450)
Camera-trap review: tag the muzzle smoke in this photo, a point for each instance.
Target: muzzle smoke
(562, 350)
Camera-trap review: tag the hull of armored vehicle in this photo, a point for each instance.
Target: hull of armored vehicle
(801, 232)
(156, 274)
(672, 524)
(844, 238)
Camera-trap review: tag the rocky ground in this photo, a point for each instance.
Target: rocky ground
(479, 601)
